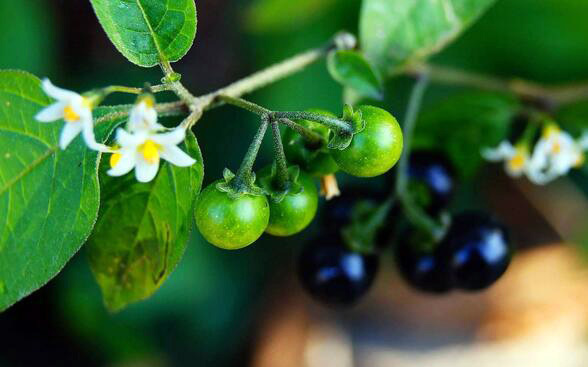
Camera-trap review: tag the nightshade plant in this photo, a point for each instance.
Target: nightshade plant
(75, 170)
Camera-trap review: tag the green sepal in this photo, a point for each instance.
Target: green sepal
(341, 139)
(277, 195)
(366, 220)
(171, 78)
(237, 188)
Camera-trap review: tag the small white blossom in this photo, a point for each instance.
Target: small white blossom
(143, 149)
(516, 158)
(143, 116)
(555, 154)
(75, 110)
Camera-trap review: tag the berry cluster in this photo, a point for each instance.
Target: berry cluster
(282, 199)
(470, 254)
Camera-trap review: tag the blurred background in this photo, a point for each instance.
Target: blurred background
(246, 308)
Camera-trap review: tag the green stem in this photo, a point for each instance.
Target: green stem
(246, 167)
(282, 177)
(163, 109)
(554, 95)
(313, 139)
(133, 90)
(244, 104)
(331, 122)
(414, 213)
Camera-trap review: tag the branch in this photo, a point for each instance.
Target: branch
(553, 95)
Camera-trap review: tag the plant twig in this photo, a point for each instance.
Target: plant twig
(553, 95)
(413, 212)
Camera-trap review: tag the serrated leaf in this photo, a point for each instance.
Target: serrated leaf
(462, 125)
(142, 230)
(352, 70)
(148, 32)
(48, 197)
(396, 32)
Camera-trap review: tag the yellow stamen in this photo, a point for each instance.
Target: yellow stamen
(70, 115)
(150, 151)
(580, 161)
(556, 149)
(517, 162)
(114, 159)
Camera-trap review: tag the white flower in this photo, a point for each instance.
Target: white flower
(143, 149)
(75, 109)
(516, 158)
(555, 154)
(143, 115)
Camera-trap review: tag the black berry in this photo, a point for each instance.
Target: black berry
(424, 270)
(334, 275)
(432, 180)
(479, 250)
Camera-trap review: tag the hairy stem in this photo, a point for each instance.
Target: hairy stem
(244, 104)
(244, 171)
(312, 138)
(163, 109)
(553, 95)
(331, 122)
(413, 212)
(282, 176)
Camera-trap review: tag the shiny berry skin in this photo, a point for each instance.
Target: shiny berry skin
(334, 275)
(230, 223)
(296, 209)
(426, 271)
(431, 180)
(479, 250)
(374, 150)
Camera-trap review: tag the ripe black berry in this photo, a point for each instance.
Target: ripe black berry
(432, 180)
(479, 250)
(424, 270)
(334, 275)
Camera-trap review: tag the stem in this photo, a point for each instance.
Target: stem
(163, 109)
(555, 95)
(244, 171)
(313, 139)
(283, 177)
(133, 90)
(244, 104)
(331, 122)
(414, 213)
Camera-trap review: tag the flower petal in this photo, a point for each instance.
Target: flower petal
(58, 93)
(176, 156)
(145, 171)
(143, 118)
(174, 137)
(68, 133)
(125, 139)
(503, 151)
(51, 113)
(125, 164)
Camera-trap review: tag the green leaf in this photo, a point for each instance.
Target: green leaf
(142, 230)
(148, 32)
(351, 69)
(395, 32)
(463, 124)
(48, 197)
